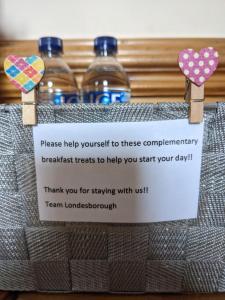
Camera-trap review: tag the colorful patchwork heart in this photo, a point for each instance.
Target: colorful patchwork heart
(198, 67)
(24, 72)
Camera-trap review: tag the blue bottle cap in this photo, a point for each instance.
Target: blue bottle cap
(106, 44)
(50, 44)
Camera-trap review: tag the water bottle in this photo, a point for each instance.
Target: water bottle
(105, 81)
(58, 84)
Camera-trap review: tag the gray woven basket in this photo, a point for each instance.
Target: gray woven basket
(181, 256)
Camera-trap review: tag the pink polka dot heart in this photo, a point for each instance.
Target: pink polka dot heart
(198, 67)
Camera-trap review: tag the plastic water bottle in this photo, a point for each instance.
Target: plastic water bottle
(58, 84)
(105, 81)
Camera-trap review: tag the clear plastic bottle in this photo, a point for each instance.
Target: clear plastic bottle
(105, 81)
(58, 84)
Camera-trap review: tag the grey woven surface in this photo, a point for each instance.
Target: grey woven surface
(177, 256)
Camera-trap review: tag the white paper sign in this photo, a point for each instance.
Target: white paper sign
(130, 172)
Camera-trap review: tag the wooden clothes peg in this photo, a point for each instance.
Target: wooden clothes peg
(195, 95)
(29, 108)
(197, 67)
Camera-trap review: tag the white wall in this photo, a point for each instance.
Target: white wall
(30, 19)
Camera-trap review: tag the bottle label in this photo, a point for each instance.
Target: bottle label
(60, 98)
(106, 97)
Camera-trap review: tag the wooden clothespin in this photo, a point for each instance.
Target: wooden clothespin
(25, 73)
(195, 96)
(198, 67)
(29, 108)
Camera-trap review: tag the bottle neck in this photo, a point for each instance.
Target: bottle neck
(105, 53)
(51, 54)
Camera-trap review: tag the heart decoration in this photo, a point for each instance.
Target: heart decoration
(198, 67)
(24, 72)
